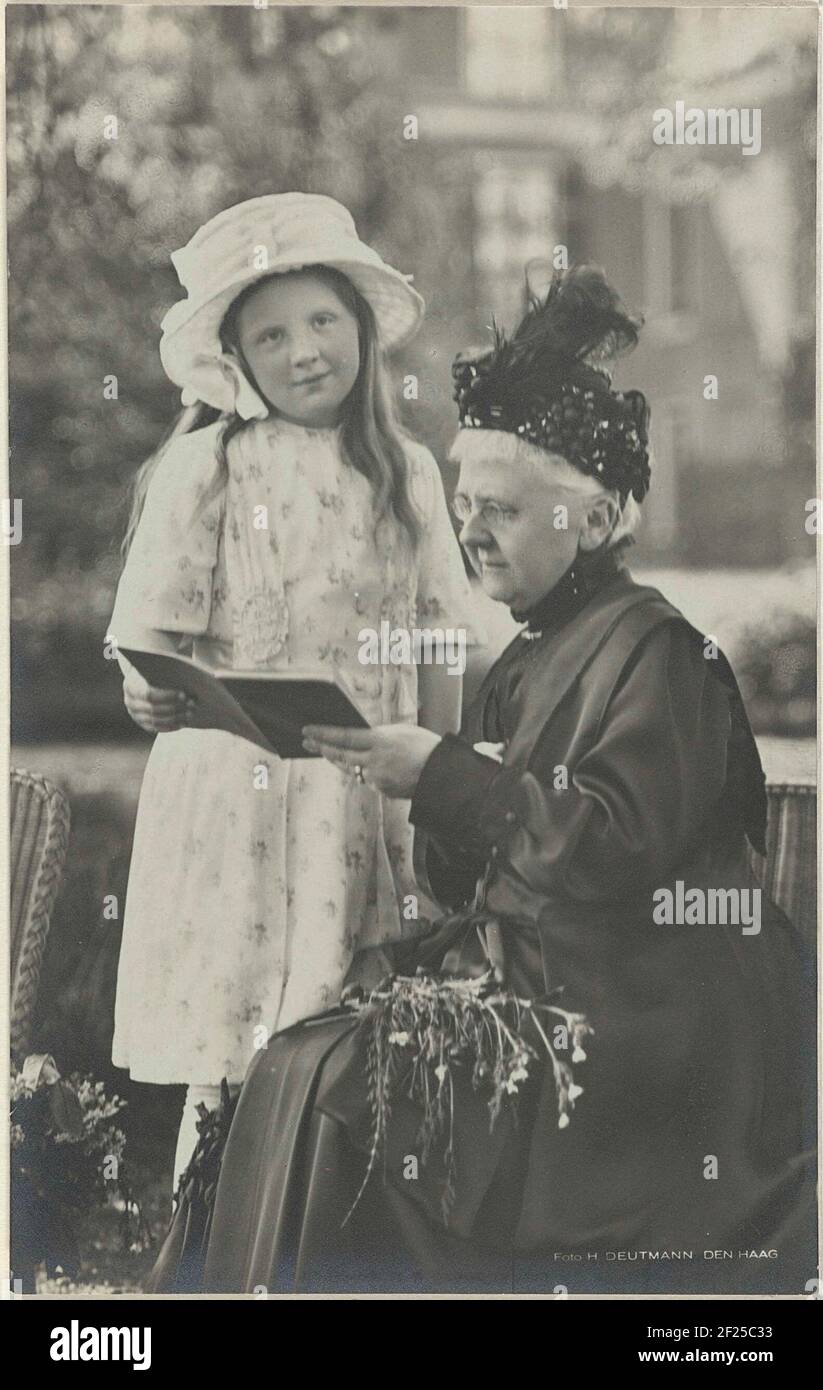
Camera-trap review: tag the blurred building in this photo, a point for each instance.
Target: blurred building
(714, 247)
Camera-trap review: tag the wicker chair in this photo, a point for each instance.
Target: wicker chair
(788, 873)
(39, 820)
(39, 839)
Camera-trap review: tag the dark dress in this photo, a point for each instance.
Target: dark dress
(629, 765)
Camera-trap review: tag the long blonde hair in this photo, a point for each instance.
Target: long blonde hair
(372, 439)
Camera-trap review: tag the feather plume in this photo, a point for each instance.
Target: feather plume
(579, 325)
(581, 318)
(548, 382)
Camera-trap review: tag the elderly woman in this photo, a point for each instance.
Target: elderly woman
(587, 1075)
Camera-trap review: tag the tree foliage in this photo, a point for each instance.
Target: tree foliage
(212, 105)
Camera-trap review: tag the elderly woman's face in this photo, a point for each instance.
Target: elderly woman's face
(520, 526)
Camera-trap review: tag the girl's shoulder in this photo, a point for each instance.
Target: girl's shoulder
(425, 479)
(420, 459)
(198, 446)
(190, 463)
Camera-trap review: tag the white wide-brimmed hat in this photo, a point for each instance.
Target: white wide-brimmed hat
(266, 236)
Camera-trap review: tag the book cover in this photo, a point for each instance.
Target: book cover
(268, 708)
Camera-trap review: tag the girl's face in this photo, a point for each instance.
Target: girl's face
(303, 346)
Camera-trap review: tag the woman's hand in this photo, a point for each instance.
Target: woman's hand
(156, 711)
(389, 757)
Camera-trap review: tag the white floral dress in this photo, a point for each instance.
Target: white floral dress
(245, 903)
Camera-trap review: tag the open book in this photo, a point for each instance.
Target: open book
(268, 708)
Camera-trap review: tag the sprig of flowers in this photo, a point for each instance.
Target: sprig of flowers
(428, 1026)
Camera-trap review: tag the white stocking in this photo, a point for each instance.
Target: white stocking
(187, 1137)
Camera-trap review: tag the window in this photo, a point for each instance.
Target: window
(509, 52)
(671, 455)
(684, 239)
(516, 221)
(673, 238)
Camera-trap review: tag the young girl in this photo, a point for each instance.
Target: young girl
(287, 512)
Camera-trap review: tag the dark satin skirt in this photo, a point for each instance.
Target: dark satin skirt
(291, 1212)
(536, 1209)
(290, 1177)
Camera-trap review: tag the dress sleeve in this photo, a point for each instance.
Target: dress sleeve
(444, 597)
(637, 800)
(166, 582)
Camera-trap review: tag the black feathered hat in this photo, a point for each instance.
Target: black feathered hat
(548, 383)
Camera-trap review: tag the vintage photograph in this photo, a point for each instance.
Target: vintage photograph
(412, 528)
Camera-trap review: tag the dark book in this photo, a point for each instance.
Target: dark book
(268, 708)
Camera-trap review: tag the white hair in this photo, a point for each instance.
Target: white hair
(508, 448)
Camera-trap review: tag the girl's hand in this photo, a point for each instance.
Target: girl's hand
(390, 757)
(156, 711)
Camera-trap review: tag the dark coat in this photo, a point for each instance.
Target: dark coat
(629, 766)
(697, 1027)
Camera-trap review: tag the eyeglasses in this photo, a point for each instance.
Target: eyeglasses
(492, 514)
